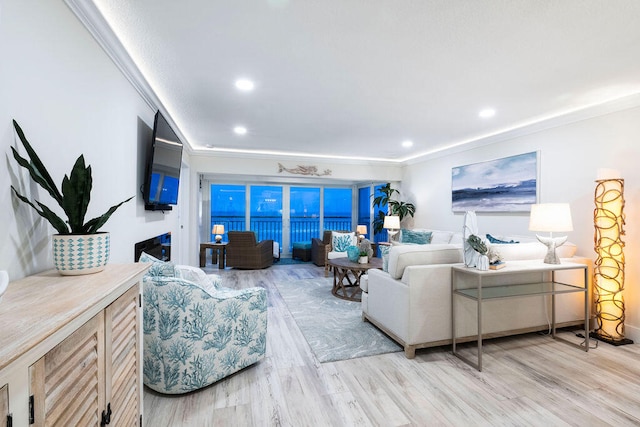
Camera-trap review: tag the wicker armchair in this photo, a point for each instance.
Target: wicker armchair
(244, 252)
(321, 248)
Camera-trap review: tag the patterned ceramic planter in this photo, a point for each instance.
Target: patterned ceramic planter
(80, 254)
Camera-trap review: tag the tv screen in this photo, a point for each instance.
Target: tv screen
(163, 167)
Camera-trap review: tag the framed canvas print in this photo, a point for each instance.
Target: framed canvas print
(508, 184)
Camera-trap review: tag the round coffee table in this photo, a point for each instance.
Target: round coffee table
(350, 272)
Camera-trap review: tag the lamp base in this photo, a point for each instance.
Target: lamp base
(552, 243)
(623, 341)
(218, 238)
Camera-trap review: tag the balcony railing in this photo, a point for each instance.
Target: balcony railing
(301, 229)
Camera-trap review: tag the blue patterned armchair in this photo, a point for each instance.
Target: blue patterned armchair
(196, 332)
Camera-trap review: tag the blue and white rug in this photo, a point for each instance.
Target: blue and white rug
(333, 327)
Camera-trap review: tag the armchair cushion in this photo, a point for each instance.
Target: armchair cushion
(193, 337)
(209, 283)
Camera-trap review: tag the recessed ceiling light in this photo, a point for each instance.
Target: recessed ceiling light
(487, 112)
(407, 143)
(244, 85)
(240, 130)
(209, 145)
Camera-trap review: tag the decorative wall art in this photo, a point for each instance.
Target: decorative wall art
(503, 185)
(304, 170)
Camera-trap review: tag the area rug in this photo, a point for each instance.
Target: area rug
(333, 327)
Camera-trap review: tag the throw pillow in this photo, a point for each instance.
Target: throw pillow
(198, 277)
(341, 241)
(384, 252)
(416, 237)
(158, 267)
(492, 239)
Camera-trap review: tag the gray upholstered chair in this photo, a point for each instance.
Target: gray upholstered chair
(243, 251)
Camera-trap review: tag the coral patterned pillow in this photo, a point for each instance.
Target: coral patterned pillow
(341, 241)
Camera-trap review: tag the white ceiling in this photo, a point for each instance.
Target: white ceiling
(357, 77)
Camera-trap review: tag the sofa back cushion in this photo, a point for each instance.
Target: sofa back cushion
(530, 250)
(441, 236)
(405, 255)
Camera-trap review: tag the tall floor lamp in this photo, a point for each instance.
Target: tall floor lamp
(608, 271)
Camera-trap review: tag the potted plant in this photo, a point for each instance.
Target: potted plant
(79, 247)
(364, 257)
(396, 207)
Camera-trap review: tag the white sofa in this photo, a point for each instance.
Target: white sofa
(411, 302)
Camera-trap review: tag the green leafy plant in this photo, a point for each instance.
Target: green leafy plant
(477, 244)
(73, 198)
(395, 207)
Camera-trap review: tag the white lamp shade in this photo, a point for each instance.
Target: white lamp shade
(550, 217)
(218, 229)
(361, 229)
(391, 222)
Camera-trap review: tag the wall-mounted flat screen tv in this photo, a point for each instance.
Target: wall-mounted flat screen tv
(162, 176)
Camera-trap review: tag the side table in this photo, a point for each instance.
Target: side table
(344, 270)
(218, 251)
(480, 293)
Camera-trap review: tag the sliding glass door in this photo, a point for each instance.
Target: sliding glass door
(266, 212)
(304, 214)
(283, 213)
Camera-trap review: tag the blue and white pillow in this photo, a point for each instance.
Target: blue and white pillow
(416, 237)
(492, 239)
(341, 241)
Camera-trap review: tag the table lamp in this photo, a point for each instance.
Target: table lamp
(551, 217)
(392, 224)
(218, 230)
(361, 230)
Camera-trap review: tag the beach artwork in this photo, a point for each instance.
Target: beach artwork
(503, 185)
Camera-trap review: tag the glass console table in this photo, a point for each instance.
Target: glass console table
(469, 283)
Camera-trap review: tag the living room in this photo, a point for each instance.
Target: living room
(71, 97)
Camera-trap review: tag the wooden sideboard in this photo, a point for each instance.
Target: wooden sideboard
(70, 348)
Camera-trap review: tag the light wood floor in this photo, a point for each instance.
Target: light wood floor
(527, 380)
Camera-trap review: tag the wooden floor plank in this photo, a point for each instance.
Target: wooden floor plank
(527, 380)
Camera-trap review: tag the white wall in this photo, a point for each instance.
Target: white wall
(70, 99)
(569, 157)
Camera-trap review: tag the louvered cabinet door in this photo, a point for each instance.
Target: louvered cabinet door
(123, 359)
(4, 405)
(67, 383)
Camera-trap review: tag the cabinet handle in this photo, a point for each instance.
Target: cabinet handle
(106, 416)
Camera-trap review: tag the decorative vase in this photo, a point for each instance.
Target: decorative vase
(353, 253)
(363, 260)
(483, 263)
(75, 254)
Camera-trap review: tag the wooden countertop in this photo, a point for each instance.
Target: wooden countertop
(41, 307)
